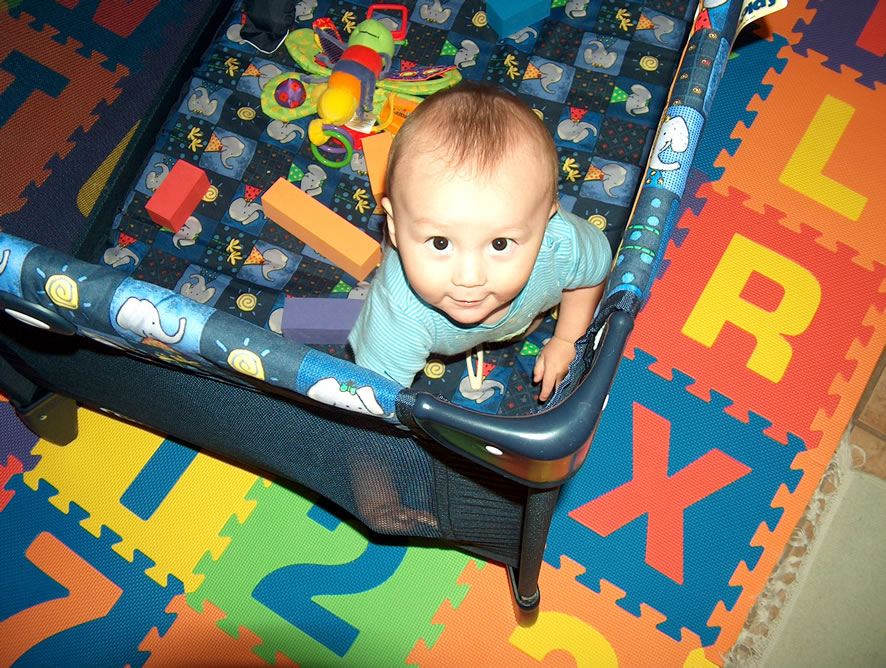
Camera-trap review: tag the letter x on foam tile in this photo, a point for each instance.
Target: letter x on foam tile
(670, 499)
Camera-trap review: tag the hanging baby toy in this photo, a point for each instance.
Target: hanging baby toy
(356, 68)
(349, 85)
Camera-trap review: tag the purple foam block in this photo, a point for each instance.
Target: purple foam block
(319, 319)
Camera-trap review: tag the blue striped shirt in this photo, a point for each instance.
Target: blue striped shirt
(397, 331)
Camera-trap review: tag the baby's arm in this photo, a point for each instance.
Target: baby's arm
(576, 312)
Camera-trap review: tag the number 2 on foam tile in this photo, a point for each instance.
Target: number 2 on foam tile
(289, 592)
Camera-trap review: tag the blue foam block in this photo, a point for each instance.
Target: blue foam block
(319, 319)
(506, 17)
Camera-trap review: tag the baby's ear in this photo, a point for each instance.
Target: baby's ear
(389, 211)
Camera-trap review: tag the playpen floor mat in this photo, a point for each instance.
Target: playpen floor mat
(597, 75)
(123, 548)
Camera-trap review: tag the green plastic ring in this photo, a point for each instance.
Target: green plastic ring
(326, 162)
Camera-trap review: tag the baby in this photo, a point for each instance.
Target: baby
(478, 247)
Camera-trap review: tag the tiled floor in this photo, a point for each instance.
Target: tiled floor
(869, 428)
(863, 453)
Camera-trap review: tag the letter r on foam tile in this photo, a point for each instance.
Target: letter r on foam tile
(722, 302)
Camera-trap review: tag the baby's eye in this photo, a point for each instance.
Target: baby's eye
(438, 243)
(501, 244)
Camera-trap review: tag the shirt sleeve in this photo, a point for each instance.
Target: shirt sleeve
(583, 254)
(386, 339)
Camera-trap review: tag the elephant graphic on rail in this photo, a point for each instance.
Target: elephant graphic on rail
(141, 317)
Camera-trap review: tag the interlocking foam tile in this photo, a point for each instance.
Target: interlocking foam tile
(182, 520)
(773, 542)
(124, 35)
(312, 587)
(848, 33)
(12, 467)
(194, 639)
(63, 589)
(784, 21)
(15, 439)
(575, 626)
(742, 79)
(745, 272)
(810, 155)
(670, 498)
(74, 83)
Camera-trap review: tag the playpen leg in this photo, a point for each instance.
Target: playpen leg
(51, 416)
(536, 522)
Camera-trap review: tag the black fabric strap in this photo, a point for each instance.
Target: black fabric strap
(20, 390)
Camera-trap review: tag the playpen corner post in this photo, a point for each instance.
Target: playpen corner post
(537, 515)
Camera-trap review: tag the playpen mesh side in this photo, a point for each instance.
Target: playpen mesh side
(329, 451)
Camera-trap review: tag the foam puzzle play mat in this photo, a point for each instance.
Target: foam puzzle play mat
(764, 324)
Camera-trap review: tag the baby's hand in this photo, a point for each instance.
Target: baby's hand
(552, 364)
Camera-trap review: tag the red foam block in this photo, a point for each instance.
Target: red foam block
(178, 195)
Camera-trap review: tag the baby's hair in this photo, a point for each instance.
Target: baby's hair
(473, 126)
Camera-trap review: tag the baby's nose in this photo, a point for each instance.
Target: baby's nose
(469, 272)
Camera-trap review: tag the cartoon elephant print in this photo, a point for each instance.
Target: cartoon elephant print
(551, 73)
(674, 135)
(523, 34)
(197, 289)
(284, 132)
(245, 211)
(613, 176)
(312, 181)
(486, 391)
(575, 131)
(346, 395)
(187, 234)
(232, 147)
(638, 101)
(358, 163)
(434, 12)
(304, 10)
(267, 72)
(141, 317)
(155, 177)
(596, 55)
(275, 260)
(662, 25)
(119, 256)
(200, 103)
(577, 9)
(466, 56)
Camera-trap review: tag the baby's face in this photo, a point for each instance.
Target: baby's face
(468, 244)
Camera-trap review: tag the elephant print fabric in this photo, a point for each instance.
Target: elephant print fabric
(598, 75)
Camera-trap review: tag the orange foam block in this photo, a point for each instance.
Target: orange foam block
(375, 150)
(323, 230)
(178, 195)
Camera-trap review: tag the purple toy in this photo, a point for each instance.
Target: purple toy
(319, 319)
(290, 93)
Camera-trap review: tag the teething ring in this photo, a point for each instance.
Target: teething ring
(347, 145)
